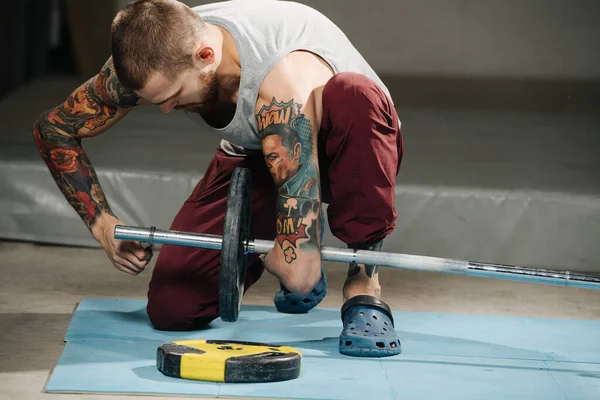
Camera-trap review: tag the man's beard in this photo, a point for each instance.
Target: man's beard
(210, 97)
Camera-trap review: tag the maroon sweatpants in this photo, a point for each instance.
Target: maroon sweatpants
(360, 151)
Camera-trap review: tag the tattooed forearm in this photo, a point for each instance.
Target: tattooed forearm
(73, 173)
(89, 110)
(287, 137)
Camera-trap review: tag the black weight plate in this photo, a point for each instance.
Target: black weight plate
(168, 358)
(270, 366)
(228, 361)
(236, 231)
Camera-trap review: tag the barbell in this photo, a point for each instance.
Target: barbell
(236, 244)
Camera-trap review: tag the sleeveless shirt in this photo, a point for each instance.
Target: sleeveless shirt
(264, 31)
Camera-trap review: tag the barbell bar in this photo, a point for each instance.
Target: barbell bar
(236, 244)
(369, 257)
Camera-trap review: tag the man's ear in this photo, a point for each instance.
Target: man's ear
(203, 53)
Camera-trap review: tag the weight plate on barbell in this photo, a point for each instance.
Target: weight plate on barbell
(228, 361)
(235, 232)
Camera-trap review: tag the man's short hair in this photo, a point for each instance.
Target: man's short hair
(289, 136)
(153, 36)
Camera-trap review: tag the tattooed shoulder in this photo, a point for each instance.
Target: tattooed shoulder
(110, 90)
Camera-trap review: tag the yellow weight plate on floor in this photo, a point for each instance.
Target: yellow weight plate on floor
(228, 361)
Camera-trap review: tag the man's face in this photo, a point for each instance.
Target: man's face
(281, 166)
(192, 90)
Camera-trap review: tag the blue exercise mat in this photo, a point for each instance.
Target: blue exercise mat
(111, 348)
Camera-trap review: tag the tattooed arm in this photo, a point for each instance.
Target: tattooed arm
(90, 110)
(288, 118)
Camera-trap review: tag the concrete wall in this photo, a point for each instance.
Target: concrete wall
(507, 39)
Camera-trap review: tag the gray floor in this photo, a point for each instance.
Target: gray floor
(41, 285)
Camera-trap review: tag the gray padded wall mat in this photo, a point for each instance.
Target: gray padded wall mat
(514, 188)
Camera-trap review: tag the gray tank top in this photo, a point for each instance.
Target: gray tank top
(264, 31)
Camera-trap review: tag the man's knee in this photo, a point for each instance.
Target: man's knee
(350, 80)
(172, 313)
(353, 87)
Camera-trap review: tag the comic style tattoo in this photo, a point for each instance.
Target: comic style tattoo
(58, 133)
(287, 137)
